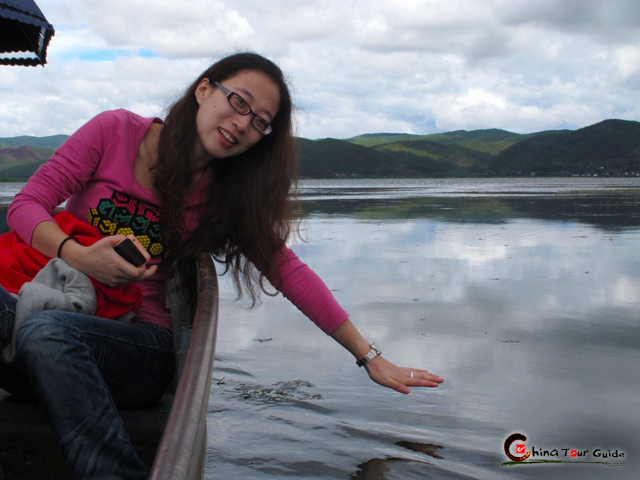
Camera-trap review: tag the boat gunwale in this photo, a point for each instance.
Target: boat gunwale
(181, 453)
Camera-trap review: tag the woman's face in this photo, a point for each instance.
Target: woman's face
(222, 131)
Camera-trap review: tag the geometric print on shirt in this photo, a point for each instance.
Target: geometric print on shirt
(125, 215)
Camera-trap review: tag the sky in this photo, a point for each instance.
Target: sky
(355, 67)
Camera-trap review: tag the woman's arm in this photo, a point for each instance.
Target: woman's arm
(379, 369)
(308, 292)
(69, 171)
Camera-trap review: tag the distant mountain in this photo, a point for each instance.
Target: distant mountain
(374, 139)
(491, 141)
(433, 158)
(330, 157)
(54, 141)
(21, 156)
(19, 163)
(408, 158)
(611, 147)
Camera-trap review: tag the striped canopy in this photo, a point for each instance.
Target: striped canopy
(23, 28)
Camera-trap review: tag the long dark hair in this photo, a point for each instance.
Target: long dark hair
(249, 211)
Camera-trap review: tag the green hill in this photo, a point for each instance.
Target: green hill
(19, 173)
(19, 163)
(53, 141)
(408, 158)
(375, 139)
(611, 147)
(330, 157)
(432, 158)
(21, 156)
(491, 141)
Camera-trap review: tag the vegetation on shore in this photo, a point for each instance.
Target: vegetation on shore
(608, 148)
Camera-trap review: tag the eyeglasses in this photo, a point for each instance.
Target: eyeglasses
(242, 107)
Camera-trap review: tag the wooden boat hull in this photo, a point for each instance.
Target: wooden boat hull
(170, 437)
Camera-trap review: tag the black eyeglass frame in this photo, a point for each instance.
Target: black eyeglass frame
(266, 131)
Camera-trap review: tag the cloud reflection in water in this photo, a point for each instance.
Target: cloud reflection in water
(527, 306)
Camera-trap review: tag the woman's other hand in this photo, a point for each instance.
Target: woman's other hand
(102, 263)
(99, 261)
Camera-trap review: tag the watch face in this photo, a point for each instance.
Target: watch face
(369, 356)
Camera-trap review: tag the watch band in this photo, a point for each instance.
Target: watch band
(373, 353)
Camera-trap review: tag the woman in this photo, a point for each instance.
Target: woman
(215, 175)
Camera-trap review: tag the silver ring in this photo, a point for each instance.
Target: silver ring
(411, 374)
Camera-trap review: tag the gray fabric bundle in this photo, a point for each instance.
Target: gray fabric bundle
(56, 287)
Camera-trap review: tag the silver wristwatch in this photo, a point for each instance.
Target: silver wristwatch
(373, 353)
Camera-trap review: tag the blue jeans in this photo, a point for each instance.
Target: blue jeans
(82, 368)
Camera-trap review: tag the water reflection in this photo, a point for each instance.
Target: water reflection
(605, 203)
(610, 212)
(427, 448)
(376, 468)
(465, 187)
(528, 306)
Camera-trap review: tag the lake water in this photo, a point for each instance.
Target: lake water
(524, 294)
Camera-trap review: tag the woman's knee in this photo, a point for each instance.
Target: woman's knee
(44, 334)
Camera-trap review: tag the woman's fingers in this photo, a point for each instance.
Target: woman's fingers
(421, 378)
(101, 262)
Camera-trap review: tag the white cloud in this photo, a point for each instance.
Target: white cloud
(414, 66)
(193, 29)
(307, 23)
(625, 291)
(627, 60)
(427, 26)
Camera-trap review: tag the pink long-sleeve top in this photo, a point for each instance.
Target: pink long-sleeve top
(94, 172)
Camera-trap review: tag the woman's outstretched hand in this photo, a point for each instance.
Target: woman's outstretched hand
(385, 373)
(382, 371)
